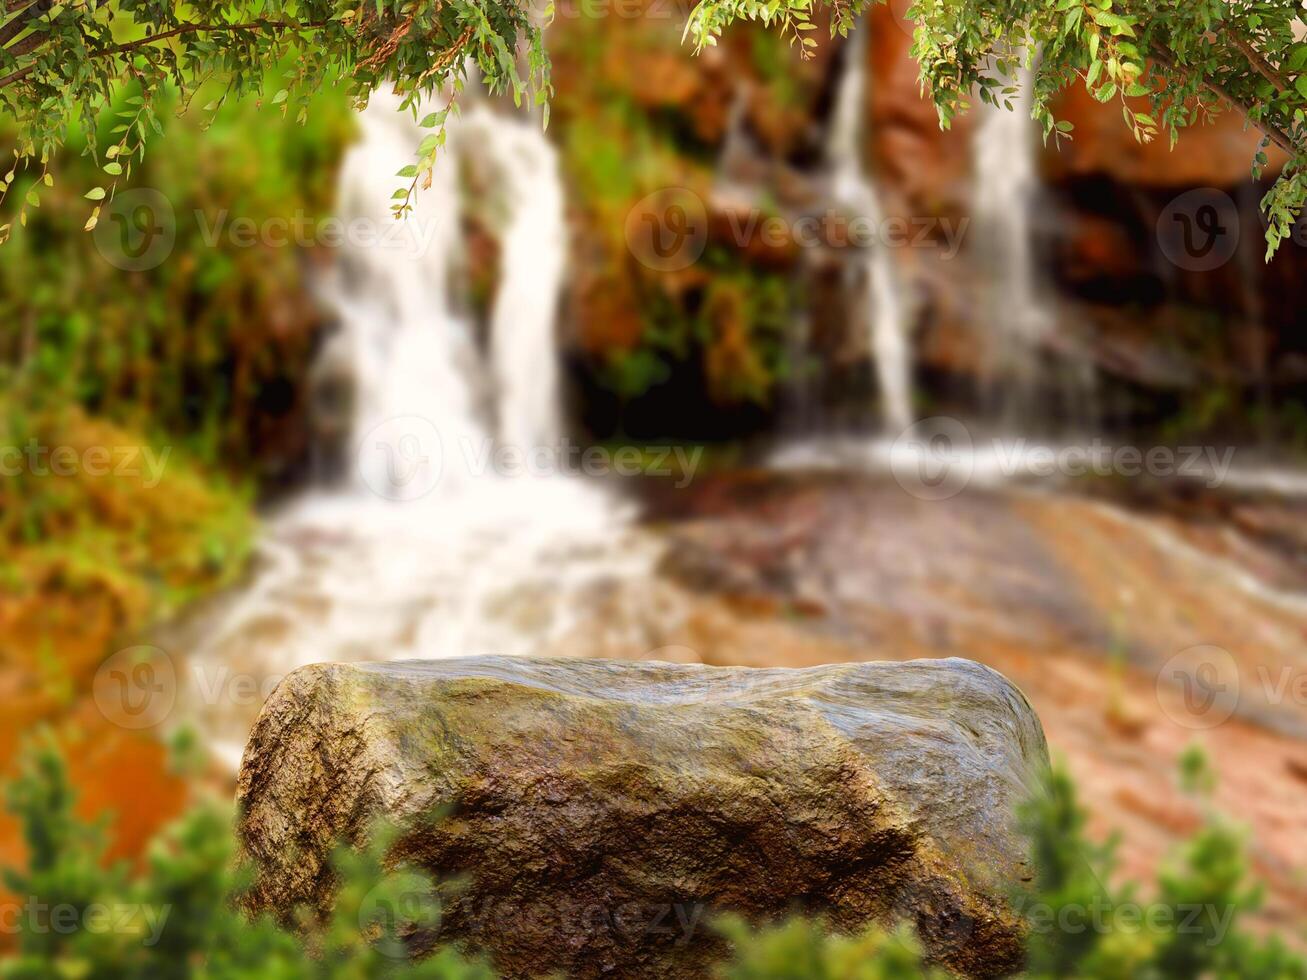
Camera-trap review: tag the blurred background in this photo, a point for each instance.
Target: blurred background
(742, 360)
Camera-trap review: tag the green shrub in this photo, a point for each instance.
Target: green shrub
(189, 924)
(802, 949)
(178, 917)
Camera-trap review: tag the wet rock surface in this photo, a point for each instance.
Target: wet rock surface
(601, 812)
(1091, 603)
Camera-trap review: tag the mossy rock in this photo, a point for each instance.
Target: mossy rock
(601, 813)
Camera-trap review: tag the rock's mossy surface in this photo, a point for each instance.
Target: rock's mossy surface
(601, 812)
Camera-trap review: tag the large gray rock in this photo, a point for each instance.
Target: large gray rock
(601, 812)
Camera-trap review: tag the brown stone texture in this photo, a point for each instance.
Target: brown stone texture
(593, 810)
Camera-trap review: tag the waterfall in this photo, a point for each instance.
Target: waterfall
(1016, 320)
(408, 354)
(886, 306)
(524, 354)
(1016, 315)
(413, 356)
(433, 548)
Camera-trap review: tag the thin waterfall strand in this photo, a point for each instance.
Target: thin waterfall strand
(888, 311)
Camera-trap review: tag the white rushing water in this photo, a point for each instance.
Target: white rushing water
(534, 246)
(1016, 320)
(405, 350)
(888, 312)
(1017, 317)
(429, 549)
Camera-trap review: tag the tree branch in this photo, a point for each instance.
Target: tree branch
(445, 59)
(1274, 133)
(23, 19)
(1256, 59)
(129, 46)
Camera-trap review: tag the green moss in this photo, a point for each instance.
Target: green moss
(735, 324)
(94, 555)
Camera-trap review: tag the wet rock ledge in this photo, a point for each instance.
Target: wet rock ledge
(602, 812)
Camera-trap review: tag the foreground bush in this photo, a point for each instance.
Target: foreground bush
(175, 915)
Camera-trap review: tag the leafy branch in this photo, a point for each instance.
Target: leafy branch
(1169, 64)
(63, 65)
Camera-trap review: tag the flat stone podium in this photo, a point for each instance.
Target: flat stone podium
(601, 813)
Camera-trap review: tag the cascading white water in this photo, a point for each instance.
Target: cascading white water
(431, 550)
(1016, 314)
(534, 246)
(888, 312)
(412, 355)
(406, 351)
(1005, 181)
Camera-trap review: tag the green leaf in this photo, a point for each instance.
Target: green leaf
(95, 194)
